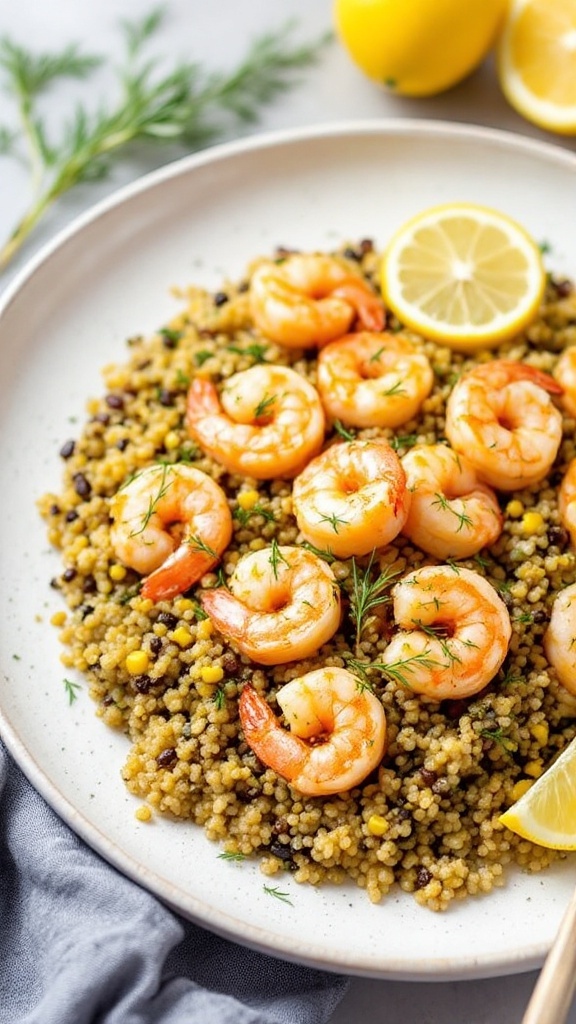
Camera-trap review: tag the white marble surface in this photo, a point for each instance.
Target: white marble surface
(217, 34)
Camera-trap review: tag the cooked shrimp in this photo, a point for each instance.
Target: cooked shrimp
(560, 637)
(310, 299)
(373, 380)
(501, 416)
(282, 605)
(565, 374)
(454, 632)
(452, 514)
(268, 421)
(171, 521)
(567, 500)
(343, 719)
(352, 498)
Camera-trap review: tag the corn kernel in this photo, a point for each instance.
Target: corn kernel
(534, 768)
(521, 787)
(143, 813)
(540, 733)
(171, 440)
(377, 825)
(137, 662)
(212, 673)
(515, 508)
(117, 572)
(204, 629)
(532, 522)
(58, 619)
(183, 605)
(181, 636)
(247, 499)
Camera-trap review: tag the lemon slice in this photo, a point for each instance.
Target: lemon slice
(537, 62)
(465, 275)
(546, 813)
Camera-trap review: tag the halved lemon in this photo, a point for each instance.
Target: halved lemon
(464, 275)
(537, 62)
(546, 814)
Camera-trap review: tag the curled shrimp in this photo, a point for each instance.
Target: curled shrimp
(309, 299)
(337, 731)
(373, 380)
(559, 638)
(267, 422)
(567, 500)
(452, 514)
(172, 522)
(282, 605)
(501, 416)
(565, 374)
(352, 498)
(454, 632)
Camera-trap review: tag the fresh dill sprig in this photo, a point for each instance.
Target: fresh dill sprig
(367, 593)
(343, 432)
(180, 105)
(276, 557)
(275, 891)
(396, 670)
(232, 856)
(71, 689)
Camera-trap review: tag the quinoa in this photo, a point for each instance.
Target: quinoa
(427, 819)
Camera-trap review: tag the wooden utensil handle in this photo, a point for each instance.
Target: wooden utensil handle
(552, 995)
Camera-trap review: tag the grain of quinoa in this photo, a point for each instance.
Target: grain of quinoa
(428, 819)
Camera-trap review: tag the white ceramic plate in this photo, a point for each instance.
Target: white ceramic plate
(108, 277)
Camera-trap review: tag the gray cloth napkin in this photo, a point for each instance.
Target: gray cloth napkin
(81, 944)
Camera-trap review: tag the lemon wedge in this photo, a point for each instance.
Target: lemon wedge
(546, 813)
(537, 62)
(465, 275)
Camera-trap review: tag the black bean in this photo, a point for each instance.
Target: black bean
(558, 535)
(428, 777)
(142, 683)
(281, 851)
(69, 574)
(167, 759)
(115, 401)
(82, 485)
(103, 418)
(156, 644)
(67, 449)
(166, 397)
(220, 298)
(71, 515)
(167, 619)
(423, 877)
(539, 616)
(122, 444)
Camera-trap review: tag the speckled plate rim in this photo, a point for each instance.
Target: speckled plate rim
(528, 950)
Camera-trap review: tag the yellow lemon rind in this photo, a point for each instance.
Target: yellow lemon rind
(549, 116)
(521, 817)
(471, 337)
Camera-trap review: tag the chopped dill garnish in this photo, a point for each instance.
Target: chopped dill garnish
(344, 432)
(264, 406)
(276, 557)
(71, 689)
(368, 593)
(275, 891)
(232, 856)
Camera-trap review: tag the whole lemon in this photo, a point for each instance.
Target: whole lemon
(418, 47)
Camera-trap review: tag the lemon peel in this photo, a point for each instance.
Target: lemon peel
(546, 813)
(537, 62)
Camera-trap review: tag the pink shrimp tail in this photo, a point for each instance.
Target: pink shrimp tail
(367, 305)
(178, 573)
(226, 612)
(202, 400)
(272, 744)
